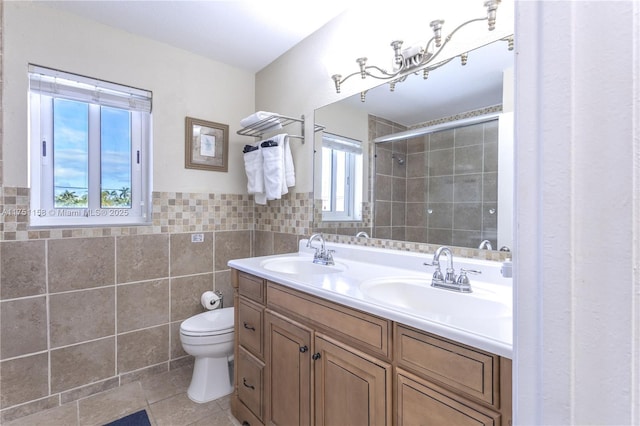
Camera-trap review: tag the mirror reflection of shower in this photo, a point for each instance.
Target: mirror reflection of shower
(398, 158)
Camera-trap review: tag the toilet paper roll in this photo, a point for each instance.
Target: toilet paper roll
(210, 300)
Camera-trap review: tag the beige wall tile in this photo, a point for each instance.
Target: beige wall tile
(142, 257)
(22, 269)
(142, 305)
(262, 243)
(223, 284)
(77, 263)
(139, 349)
(284, 243)
(143, 373)
(81, 315)
(23, 379)
(191, 257)
(231, 245)
(92, 389)
(185, 295)
(24, 326)
(176, 345)
(81, 364)
(111, 405)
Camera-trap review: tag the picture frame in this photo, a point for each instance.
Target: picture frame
(206, 145)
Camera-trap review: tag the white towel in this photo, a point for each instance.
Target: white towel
(261, 115)
(273, 166)
(255, 173)
(289, 169)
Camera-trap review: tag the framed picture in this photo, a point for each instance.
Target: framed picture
(206, 145)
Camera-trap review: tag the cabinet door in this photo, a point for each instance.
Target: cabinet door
(351, 388)
(288, 357)
(423, 403)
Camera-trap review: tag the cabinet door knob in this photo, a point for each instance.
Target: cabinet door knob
(246, 423)
(249, 327)
(244, 382)
(303, 349)
(316, 356)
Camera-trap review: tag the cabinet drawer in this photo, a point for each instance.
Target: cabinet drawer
(243, 414)
(359, 329)
(250, 320)
(250, 382)
(422, 402)
(468, 370)
(251, 287)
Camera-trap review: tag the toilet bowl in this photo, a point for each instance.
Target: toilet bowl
(209, 338)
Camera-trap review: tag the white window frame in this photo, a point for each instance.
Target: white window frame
(353, 177)
(46, 85)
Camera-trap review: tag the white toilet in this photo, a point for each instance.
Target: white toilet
(209, 338)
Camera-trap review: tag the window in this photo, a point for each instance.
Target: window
(341, 178)
(90, 151)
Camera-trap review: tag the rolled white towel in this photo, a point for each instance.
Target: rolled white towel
(259, 116)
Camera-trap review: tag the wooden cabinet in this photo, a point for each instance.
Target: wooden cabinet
(303, 360)
(421, 402)
(289, 351)
(351, 387)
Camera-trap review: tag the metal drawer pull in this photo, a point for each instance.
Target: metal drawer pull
(246, 423)
(303, 349)
(244, 382)
(316, 356)
(249, 327)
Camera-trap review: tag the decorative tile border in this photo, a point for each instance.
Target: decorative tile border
(293, 214)
(417, 247)
(173, 212)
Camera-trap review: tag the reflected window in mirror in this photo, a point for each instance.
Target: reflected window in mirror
(341, 178)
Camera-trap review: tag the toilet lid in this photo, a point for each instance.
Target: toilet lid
(218, 321)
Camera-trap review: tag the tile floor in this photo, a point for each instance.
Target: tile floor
(164, 396)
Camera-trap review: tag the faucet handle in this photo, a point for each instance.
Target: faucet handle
(463, 279)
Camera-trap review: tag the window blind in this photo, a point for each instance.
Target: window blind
(341, 143)
(60, 84)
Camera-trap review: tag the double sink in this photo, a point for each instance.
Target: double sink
(405, 292)
(397, 285)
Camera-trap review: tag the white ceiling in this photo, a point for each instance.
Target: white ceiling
(247, 34)
(250, 34)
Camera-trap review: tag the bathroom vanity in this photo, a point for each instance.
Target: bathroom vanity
(315, 345)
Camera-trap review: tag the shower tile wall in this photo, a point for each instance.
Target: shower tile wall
(440, 188)
(86, 310)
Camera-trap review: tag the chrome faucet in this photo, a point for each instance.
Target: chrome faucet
(485, 244)
(362, 234)
(322, 255)
(449, 281)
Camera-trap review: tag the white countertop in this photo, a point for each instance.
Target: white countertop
(491, 333)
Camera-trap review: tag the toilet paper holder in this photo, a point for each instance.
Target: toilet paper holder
(212, 300)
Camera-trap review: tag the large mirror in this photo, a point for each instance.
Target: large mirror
(429, 162)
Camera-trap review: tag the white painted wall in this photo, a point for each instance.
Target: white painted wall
(183, 84)
(577, 219)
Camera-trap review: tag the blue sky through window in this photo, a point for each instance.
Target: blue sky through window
(71, 155)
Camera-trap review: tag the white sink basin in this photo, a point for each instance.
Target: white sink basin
(297, 265)
(416, 294)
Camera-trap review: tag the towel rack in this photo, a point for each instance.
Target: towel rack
(258, 128)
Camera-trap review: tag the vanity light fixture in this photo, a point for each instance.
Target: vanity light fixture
(414, 59)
